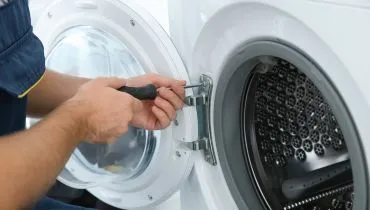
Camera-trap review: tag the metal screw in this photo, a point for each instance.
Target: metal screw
(50, 15)
(150, 197)
(176, 122)
(178, 154)
(132, 22)
(204, 82)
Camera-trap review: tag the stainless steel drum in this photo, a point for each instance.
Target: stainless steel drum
(293, 144)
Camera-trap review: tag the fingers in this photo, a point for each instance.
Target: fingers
(176, 85)
(166, 107)
(180, 91)
(163, 81)
(171, 97)
(163, 120)
(113, 82)
(159, 80)
(180, 82)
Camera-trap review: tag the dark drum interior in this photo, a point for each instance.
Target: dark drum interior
(294, 148)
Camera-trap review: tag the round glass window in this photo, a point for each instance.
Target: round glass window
(89, 52)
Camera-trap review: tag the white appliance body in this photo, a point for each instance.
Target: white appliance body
(215, 37)
(209, 33)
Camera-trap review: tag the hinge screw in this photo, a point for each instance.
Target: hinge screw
(132, 22)
(178, 154)
(176, 122)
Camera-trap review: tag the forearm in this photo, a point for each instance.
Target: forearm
(53, 89)
(32, 159)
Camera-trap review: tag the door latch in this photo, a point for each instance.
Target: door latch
(201, 100)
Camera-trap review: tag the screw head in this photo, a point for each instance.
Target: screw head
(132, 22)
(176, 122)
(150, 197)
(178, 154)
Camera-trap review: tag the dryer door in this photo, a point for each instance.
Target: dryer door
(117, 38)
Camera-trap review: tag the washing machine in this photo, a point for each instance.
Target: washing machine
(280, 120)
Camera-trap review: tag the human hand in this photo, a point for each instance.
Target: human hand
(158, 113)
(104, 112)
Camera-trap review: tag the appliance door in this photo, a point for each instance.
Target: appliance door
(117, 38)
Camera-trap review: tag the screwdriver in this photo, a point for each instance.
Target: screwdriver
(147, 92)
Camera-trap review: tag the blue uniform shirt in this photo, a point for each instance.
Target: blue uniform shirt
(22, 66)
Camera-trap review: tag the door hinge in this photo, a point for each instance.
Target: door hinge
(201, 99)
(201, 144)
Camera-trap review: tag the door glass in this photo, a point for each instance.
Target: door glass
(90, 52)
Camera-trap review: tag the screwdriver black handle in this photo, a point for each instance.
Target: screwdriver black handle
(147, 92)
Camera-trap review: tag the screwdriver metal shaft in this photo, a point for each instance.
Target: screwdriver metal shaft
(192, 86)
(148, 92)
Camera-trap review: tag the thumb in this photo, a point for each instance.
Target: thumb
(113, 82)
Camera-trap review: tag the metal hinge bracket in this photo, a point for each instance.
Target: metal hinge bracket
(201, 100)
(201, 144)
